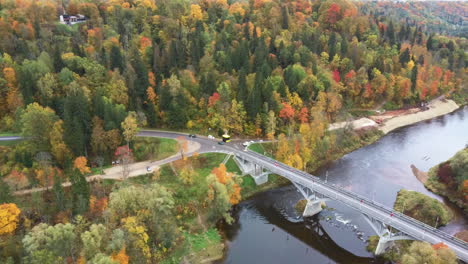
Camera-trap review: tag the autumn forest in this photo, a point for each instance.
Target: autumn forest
(272, 69)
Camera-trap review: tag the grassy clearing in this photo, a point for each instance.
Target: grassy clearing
(9, 143)
(198, 248)
(150, 148)
(9, 134)
(266, 148)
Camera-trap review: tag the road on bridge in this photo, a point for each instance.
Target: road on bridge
(401, 222)
(405, 224)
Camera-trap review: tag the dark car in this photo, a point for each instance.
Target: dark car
(221, 143)
(192, 136)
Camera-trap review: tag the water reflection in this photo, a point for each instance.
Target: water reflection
(267, 229)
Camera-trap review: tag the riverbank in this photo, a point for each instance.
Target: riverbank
(448, 179)
(436, 108)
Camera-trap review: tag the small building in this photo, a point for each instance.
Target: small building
(71, 20)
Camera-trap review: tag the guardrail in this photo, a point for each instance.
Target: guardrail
(353, 199)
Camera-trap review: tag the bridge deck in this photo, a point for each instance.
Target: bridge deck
(405, 224)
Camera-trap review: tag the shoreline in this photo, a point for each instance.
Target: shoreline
(438, 107)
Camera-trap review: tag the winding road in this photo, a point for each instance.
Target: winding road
(405, 224)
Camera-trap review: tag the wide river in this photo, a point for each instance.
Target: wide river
(268, 230)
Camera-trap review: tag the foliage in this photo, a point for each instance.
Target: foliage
(151, 204)
(422, 252)
(423, 208)
(59, 240)
(80, 164)
(450, 179)
(9, 218)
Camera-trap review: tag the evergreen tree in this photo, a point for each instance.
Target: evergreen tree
(344, 47)
(414, 77)
(5, 193)
(77, 122)
(390, 33)
(332, 46)
(59, 194)
(405, 57)
(141, 82)
(242, 90)
(116, 59)
(430, 43)
(284, 17)
(80, 192)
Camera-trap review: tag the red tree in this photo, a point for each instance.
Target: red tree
(287, 112)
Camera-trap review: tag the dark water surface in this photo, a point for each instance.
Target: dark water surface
(268, 230)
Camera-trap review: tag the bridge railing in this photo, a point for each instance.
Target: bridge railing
(357, 198)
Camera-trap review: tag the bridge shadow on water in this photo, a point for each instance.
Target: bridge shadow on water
(273, 212)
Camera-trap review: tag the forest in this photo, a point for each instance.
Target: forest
(260, 68)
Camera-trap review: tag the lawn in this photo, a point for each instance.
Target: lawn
(9, 134)
(263, 148)
(151, 148)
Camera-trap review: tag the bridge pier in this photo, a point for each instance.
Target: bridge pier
(312, 208)
(386, 238)
(314, 204)
(256, 171)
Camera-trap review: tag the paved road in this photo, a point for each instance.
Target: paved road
(372, 209)
(406, 224)
(9, 138)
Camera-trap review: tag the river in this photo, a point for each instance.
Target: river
(268, 230)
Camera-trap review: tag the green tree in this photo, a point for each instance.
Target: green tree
(59, 194)
(80, 192)
(77, 122)
(36, 124)
(157, 203)
(116, 59)
(94, 240)
(58, 240)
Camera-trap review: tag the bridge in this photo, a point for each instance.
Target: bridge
(316, 191)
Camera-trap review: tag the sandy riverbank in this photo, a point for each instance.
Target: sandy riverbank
(436, 108)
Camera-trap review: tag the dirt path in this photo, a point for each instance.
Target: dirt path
(355, 124)
(115, 173)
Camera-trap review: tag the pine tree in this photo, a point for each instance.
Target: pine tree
(391, 33)
(242, 90)
(429, 43)
(116, 59)
(80, 192)
(59, 194)
(76, 123)
(332, 46)
(405, 57)
(344, 46)
(414, 78)
(285, 17)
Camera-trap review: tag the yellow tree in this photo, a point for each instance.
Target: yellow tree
(58, 147)
(80, 163)
(9, 217)
(283, 150)
(196, 12)
(139, 236)
(130, 128)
